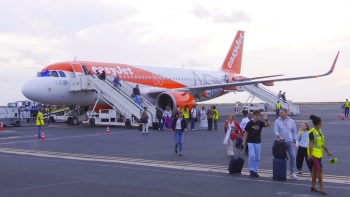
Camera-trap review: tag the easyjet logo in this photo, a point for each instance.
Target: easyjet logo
(235, 51)
(117, 70)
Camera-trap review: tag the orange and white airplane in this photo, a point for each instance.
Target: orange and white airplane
(161, 85)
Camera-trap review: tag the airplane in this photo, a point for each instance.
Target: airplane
(160, 85)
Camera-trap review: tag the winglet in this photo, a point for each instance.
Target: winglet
(333, 65)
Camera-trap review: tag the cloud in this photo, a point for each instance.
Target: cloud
(200, 12)
(4, 59)
(235, 17)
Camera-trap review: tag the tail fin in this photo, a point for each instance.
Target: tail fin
(233, 58)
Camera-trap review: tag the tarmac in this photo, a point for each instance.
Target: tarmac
(85, 161)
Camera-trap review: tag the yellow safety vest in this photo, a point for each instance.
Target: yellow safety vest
(278, 106)
(216, 114)
(40, 119)
(347, 104)
(186, 113)
(317, 150)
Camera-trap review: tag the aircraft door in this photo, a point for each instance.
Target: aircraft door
(77, 69)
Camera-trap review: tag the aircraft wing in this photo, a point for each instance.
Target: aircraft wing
(242, 83)
(235, 84)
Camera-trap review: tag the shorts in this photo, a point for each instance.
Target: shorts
(317, 162)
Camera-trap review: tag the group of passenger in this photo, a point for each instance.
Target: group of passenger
(309, 143)
(206, 118)
(282, 96)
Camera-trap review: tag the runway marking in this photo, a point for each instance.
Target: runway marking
(163, 164)
(60, 138)
(182, 173)
(41, 186)
(16, 137)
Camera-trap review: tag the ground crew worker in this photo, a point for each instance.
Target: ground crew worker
(278, 107)
(186, 114)
(215, 118)
(346, 107)
(40, 121)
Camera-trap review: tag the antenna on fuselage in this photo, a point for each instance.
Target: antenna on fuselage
(75, 59)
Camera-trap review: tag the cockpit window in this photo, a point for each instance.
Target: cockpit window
(62, 74)
(54, 74)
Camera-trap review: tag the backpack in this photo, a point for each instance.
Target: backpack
(239, 142)
(279, 150)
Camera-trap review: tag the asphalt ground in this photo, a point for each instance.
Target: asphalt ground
(85, 161)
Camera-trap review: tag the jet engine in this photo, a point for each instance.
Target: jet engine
(175, 98)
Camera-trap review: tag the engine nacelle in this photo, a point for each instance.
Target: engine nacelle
(175, 98)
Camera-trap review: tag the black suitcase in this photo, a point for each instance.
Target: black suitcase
(155, 125)
(279, 169)
(236, 164)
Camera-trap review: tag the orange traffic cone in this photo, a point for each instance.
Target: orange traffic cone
(1, 127)
(107, 131)
(42, 135)
(342, 117)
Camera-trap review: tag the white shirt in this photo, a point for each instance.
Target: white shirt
(193, 113)
(229, 130)
(167, 113)
(244, 122)
(203, 113)
(178, 124)
(304, 140)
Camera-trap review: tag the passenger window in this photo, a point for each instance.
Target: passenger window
(53, 74)
(62, 74)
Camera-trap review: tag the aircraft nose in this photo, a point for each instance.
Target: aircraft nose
(29, 89)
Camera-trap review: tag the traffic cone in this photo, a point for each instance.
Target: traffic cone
(107, 131)
(42, 135)
(342, 117)
(1, 127)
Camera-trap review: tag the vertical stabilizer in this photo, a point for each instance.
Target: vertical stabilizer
(233, 58)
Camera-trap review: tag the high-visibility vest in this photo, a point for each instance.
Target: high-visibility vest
(347, 104)
(278, 106)
(317, 150)
(186, 113)
(39, 119)
(216, 114)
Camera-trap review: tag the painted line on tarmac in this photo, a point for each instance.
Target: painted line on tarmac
(60, 138)
(16, 137)
(238, 177)
(161, 164)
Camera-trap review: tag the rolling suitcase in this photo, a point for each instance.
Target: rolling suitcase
(279, 169)
(236, 164)
(155, 125)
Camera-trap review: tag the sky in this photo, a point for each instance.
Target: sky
(294, 38)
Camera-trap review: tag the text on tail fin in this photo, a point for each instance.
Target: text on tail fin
(233, 58)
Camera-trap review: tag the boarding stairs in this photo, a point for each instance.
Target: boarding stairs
(119, 98)
(269, 97)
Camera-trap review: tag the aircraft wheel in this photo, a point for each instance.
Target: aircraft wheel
(92, 122)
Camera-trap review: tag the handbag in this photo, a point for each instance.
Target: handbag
(144, 120)
(234, 136)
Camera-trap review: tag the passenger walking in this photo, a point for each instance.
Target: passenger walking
(284, 97)
(285, 130)
(302, 146)
(279, 95)
(144, 121)
(346, 108)
(138, 100)
(215, 118)
(252, 138)
(278, 108)
(210, 115)
(317, 145)
(167, 117)
(116, 82)
(231, 127)
(179, 126)
(243, 125)
(159, 116)
(103, 75)
(40, 121)
(186, 113)
(193, 117)
(203, 118)
(136, 91)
